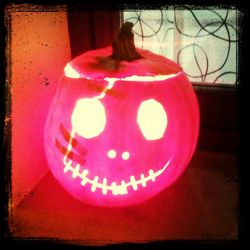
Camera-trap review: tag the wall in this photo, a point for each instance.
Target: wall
(219, 119)
(39, 49)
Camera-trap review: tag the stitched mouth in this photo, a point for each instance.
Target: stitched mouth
(115, 188)
(79, 172)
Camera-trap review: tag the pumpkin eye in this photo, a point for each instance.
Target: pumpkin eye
(152, 119)
(88, 118)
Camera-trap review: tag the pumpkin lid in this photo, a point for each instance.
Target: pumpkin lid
(121, 60)
(96, 64)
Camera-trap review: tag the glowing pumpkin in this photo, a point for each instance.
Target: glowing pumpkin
(123, 124)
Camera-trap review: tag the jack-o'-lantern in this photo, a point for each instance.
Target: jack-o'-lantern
(123, 124)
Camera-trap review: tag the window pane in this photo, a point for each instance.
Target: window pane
(203, 42)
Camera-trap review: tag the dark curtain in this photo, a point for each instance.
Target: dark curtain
(91, 29)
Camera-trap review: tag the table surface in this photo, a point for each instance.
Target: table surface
(201, 205)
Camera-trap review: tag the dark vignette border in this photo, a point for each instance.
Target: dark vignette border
(5, 133)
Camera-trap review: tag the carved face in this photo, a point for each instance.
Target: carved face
(118, 141)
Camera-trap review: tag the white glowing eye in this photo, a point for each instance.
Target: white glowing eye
(152, 119)
(88, 118)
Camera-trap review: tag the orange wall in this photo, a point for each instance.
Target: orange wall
(39, 49)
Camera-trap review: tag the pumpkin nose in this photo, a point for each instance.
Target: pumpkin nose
(112, 154)
(125, 155)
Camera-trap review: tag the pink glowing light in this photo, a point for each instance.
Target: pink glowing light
(127, 138)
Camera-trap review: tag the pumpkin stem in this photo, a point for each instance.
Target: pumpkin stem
(123, 45)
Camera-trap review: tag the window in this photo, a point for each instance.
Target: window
(203, 41)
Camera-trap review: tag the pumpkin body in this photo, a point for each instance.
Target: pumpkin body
(118, 134)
